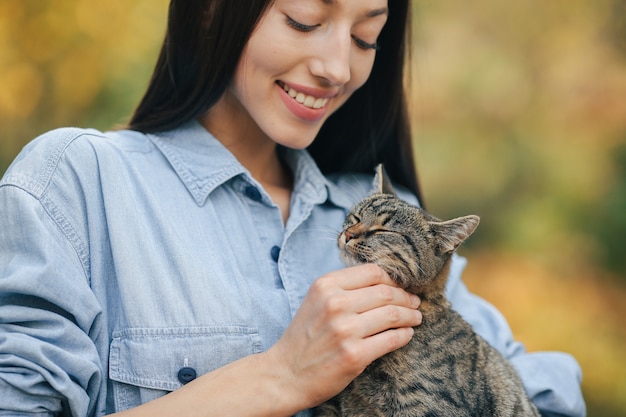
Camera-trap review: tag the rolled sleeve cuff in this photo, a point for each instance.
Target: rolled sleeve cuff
(541, 371)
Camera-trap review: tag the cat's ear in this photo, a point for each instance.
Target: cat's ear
(382, 184)
(452, 233)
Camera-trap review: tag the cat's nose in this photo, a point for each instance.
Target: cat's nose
(348, 235)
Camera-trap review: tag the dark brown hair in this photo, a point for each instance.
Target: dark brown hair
(203, 44)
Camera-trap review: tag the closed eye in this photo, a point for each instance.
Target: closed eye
(379, 230)
(301, 27)
(365, 45)
(354, 218)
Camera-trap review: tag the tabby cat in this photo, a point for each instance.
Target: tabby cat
(446, 369)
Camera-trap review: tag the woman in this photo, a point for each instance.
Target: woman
(192, 253)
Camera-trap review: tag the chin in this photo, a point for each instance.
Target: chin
(347, 260)
(350, 260)
(301, 143)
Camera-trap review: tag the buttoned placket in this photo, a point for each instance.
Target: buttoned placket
(268, 223)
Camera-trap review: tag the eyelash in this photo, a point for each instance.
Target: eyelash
(300, 26)
(365, 45)
(306, 28)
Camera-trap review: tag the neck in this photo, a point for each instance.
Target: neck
(253, 149)
(433, 296)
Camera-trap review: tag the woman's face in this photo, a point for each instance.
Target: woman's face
(302, 62)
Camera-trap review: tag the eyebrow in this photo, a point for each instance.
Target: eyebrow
(378, 12)
(372, 13)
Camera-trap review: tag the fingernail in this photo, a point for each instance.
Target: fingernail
(415, 300)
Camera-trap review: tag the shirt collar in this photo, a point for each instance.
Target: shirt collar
(203, 164)
(200, 161)
(309, 180)
(308, 176)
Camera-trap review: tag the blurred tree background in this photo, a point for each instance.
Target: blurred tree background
(520, 117)
(73, 62)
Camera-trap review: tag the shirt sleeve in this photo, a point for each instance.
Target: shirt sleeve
(552, 379)
(49, 364)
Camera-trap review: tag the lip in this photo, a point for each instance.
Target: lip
(301, 111)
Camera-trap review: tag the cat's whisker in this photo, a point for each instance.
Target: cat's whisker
(318, 229)
(419, 268)
(320, 234)
(356, 190)
(332, 239)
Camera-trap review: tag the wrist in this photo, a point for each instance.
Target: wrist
(279, 384)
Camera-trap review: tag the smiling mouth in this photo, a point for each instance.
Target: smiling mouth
(304, 99)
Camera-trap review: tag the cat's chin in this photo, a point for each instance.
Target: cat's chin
(349, 260)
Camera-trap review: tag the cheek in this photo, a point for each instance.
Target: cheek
(260, 59)
(269, 50)
(361, 68)
(252, 83)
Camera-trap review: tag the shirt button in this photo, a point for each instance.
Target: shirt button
(186, 375)
(275, 252)
(252, 193)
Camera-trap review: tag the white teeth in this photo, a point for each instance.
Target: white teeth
(319, 103)
(305, 100)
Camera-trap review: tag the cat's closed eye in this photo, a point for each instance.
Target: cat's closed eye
(352, 219)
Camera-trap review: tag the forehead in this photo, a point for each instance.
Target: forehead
(378, 202)
(365, 2)
(372, 8)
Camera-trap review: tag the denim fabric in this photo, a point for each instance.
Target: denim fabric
(126, 257)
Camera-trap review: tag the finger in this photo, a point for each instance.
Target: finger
(381, 319)
(382, 343)
(360, 276)
(368, 298)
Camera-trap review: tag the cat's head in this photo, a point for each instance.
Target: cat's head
(411, 245)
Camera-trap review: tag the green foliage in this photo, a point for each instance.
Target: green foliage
(520, 114)
(606, 220)
(518, 117)
(72, 62)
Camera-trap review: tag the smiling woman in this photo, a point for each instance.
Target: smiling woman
(189, 255)
(371, 128)
(300, 71)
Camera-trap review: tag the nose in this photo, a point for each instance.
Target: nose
(332, 58)
(352, 233)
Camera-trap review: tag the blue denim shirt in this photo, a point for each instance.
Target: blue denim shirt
(126, 258)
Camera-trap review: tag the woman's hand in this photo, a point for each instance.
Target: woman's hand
(348, 319)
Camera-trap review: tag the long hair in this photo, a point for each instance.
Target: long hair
(202, 47)
(198, 59)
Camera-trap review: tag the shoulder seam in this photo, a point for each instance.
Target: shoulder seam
(64, 226)
(37, 184)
